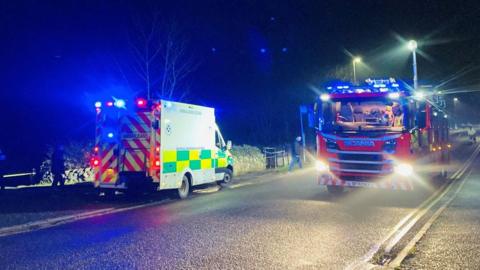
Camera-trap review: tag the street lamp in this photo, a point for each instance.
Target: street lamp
(455, 101)
(356, 60)
(412, 46)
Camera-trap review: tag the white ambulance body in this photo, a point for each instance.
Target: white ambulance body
(164, 144)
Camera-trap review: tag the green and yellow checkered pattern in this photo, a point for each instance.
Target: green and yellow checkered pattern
(196, 159)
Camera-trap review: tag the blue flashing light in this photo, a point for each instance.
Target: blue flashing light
(110, 135)
(119, 103)
(371, 86)
(98, 104)
(263, 50)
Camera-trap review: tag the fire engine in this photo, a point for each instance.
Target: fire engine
(380, 134)
(144, 144)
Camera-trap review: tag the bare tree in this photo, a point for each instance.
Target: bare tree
(162, 59)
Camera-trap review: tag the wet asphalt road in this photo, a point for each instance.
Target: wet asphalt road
(453, 241)
(286, 222)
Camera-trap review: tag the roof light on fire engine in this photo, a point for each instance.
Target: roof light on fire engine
(404, 169)
(109, 103)
(110, 135)
(394, 95)
(325, 97)
(98, 104)
(120, 103)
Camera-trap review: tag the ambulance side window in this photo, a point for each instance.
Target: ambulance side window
(217, 140)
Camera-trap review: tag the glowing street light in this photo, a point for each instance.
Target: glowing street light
(412, 46)
(356, 60)
(455, 101)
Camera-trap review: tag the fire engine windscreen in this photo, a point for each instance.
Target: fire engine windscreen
(375, 115)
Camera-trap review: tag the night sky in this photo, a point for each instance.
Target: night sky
(255, 59)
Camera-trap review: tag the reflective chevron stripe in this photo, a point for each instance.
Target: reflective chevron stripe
(195, 159)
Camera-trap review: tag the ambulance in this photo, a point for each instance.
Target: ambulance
(158, 145)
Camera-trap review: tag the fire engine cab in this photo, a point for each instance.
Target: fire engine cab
(379, 134)
(144, 144)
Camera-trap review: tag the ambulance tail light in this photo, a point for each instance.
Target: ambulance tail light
(94, 162)
(156, 163)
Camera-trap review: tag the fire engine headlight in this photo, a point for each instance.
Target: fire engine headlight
(404, 169)
(321, 166)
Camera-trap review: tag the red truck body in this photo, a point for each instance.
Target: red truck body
(378, 135)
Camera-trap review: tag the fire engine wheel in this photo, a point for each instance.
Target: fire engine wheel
(184, 190)
(335, 190)
(227, 177)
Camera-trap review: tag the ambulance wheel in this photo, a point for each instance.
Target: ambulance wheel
(335, 190)
(227, 177)
(184, 190)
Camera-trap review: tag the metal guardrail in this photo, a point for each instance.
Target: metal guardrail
(275, 157)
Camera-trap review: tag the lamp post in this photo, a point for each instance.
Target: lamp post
(412, 46)
(355, 61)
(455, 101)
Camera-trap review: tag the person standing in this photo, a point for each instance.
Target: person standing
(296, 154)
(58, 166)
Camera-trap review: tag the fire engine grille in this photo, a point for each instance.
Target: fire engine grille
(351, 162)
(360, 157)
(361, 166)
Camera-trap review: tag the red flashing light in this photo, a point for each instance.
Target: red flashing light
(109, 103)
(94, 162)
(95, 149)
(157, 149)
(157, 163)
(141, 103)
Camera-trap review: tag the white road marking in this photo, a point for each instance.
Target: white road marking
(416, 214)
(397, 261)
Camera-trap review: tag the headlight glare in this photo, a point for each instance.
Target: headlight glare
(404, 169)
(321, 166)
